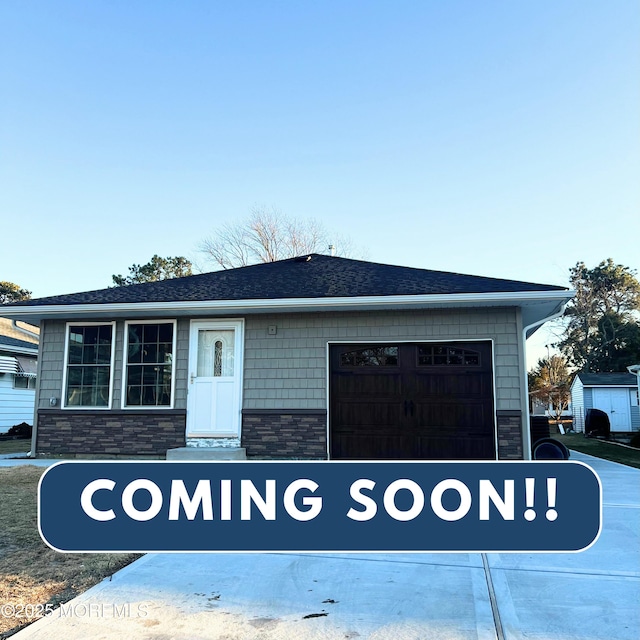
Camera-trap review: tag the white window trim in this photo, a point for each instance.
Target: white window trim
(75, 407)
(123, 390)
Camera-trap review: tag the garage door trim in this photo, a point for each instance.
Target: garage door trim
(391, 340)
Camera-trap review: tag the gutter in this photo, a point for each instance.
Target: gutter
(290, 304)
(526, 445)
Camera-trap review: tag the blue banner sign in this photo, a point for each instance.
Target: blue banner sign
(319, 506)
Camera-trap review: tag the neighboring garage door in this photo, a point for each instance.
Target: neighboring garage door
(412, 401)
(615, 403)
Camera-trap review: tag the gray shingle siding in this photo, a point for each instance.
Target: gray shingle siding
(182, 364)
(288, 370)
(52, 336)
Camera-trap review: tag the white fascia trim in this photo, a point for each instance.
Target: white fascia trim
(631, 385)
(299, 304)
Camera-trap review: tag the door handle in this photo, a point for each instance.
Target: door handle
(192, 378)
(408, 407)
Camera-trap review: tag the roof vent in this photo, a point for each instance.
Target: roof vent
(303, 258)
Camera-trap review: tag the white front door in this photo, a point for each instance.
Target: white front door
(615, 402)
(215, 378)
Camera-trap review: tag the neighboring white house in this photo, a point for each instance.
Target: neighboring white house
(18, 362)
(614, 393)
(540, 408)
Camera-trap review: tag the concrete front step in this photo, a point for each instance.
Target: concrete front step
(207, 453)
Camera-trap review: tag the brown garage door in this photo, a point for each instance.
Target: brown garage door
(412, 401)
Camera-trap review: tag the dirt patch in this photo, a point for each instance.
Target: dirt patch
(34, 579)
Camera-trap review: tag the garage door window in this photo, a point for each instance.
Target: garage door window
(438, 355)
(370, 357)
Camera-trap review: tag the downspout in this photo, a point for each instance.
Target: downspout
(14, 325)
(526, 445)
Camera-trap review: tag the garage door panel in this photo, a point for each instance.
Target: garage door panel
(366, 384)
(379, 413)
(387, 447)
(446, 448)
(471, 415)
(442, 385)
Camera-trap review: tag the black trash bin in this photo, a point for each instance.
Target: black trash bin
(596, 424)
(539, 428)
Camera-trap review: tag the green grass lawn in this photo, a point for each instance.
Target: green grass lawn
(15, 446)
(601, 449)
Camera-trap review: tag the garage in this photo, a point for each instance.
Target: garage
(422, 400)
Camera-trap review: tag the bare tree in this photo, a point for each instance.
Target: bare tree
(267, 235)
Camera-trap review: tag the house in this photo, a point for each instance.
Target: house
(18, 359)
(313, 357)
(539, 407)
(614, 393)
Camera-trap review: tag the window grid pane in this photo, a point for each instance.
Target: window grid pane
(149, 365)
(89, 366)
(439, 355)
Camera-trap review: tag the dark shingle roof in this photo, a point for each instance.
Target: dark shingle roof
(314, 276)
(6, 341)
(608, 379)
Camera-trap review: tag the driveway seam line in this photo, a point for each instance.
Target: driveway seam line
(497, 621)
(593, 574)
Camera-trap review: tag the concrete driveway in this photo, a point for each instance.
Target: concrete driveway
(591, 595)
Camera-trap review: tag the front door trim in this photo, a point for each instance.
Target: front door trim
(233, 430)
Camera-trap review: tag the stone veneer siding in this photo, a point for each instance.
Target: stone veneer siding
(303, 434)
(285, 434)
(509, 435)
(109, 434)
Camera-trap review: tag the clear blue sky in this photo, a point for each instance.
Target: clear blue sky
(492, 138)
